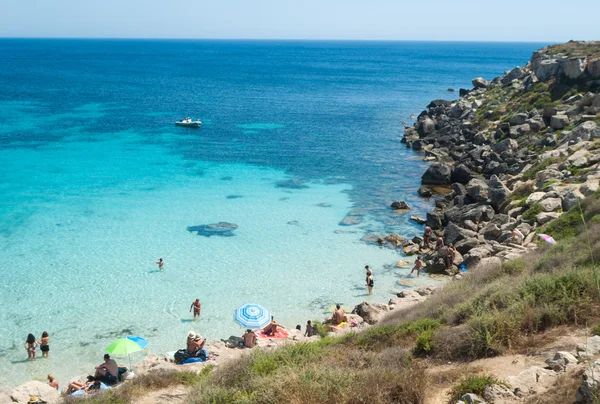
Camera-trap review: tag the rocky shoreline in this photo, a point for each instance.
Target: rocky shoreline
(514, 153)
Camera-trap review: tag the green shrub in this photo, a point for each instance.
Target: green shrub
(472, 384)
(596, 330)
(424, 342)
(532, 212)
(265, 363)
(319, 328)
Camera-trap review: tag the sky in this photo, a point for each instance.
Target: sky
(453, 20)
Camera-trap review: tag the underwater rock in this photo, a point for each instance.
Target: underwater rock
(222, 229)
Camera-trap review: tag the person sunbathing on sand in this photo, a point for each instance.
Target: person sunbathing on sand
(271, 328)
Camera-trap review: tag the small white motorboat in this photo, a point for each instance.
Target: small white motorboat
(188, 123)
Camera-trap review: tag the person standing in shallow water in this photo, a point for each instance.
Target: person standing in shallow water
(370, 283)
(369, 273)
(30, 346)
(45, 344)
(161, 263)
(197, 306)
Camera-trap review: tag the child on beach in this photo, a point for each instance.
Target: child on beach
(30, 346)
(44, 344)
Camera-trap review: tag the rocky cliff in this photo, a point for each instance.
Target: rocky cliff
(515, 152)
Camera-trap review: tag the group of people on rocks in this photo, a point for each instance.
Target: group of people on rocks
(445, 252)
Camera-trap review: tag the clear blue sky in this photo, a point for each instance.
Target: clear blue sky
(473, 20)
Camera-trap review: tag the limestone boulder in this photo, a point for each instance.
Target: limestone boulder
(478, 189)
(400, 205)
(437, 174)
(587, 392)
(590, 186)
(480, 82)
(476, 213)
(547, 175)
(516, 73)
(559, 121)
(547, 217)
(475, 256)
(454, 233)
(572, 199)
(466, 245)
(584, 131)
(370, 313)
(534, 197)
(574, 67)
(410, 249)
(498, 393)
(561, 361)
(461, 174)
(42, 391)
(518, 119)
(498, 193)
(593, 68)
(590, 348)
(551, 204)
(531, 381)
(426, 126)
(425, 192)
(506, 145)
(547, 69)
(470, 398)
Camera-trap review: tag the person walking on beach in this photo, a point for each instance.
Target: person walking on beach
(419, 264)
(370, 282)
(160, 262)
(197, 306)
(30, 345)
(44, 344)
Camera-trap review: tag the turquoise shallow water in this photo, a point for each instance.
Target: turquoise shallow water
(97, 183)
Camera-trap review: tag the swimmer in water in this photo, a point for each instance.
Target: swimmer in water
(160, 263)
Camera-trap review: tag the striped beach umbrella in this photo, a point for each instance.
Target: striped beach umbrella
(252, 315)
(547, 238)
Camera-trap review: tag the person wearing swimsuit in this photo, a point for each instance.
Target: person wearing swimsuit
(30, 346)
(44, 344)
(161, 263)
(197, 306)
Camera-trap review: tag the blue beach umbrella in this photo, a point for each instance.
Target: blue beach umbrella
(252, 316)
(138, 340)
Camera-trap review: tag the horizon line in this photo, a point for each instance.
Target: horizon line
(277, 39)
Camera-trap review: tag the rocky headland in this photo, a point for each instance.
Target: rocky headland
(514, 152)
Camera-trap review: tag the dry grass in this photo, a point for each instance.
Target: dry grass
(562, 392)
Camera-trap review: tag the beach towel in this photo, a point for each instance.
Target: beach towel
(281, 333)
(202, 357)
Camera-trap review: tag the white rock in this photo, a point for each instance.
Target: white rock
(551, 204)
(534, 197)
(546, 217)
(574, 67)
(559, 121)
(35, 388)
(561, 361)
(589, 348)
(590, 186)
(532, 380)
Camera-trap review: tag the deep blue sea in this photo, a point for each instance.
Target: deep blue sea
(97, 182)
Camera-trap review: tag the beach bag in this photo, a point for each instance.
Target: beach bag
(181, 355)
